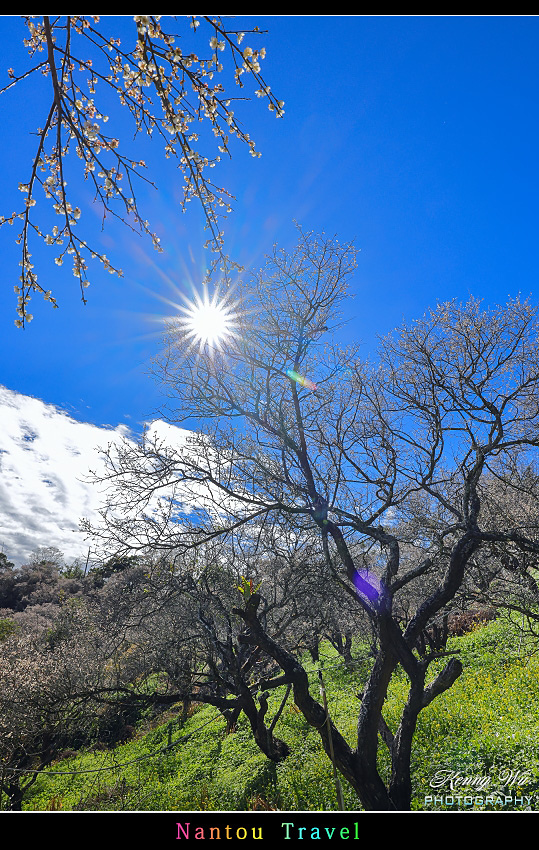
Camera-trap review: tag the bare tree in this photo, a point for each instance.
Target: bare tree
(175, 618)
(387, 458)
(503, 576)
(168, 83)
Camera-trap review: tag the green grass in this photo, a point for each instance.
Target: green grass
(487, 723)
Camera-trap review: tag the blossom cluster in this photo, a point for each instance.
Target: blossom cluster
(168, 91)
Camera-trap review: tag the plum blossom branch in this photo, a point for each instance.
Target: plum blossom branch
(166, 89)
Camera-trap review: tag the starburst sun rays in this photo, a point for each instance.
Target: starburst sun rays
(209, 322)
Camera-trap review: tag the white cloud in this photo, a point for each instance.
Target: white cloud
(45, 457)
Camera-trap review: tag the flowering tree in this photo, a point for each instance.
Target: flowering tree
(168, 90)
(49, 678)
(393, 458)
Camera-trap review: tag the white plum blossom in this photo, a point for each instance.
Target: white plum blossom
(182, 87)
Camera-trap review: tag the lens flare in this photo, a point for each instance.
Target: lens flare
(299, 379)
(368, 585)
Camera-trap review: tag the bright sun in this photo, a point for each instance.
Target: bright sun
(208, 322)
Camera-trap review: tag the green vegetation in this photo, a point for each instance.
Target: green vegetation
(487, 723)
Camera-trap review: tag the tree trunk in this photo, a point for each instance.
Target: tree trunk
(15, 794)
(369, 785)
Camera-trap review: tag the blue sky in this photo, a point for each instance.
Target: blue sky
(416, 137)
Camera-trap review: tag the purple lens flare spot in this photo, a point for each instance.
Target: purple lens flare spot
(368, 585)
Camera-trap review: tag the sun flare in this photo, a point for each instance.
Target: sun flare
(209, 322)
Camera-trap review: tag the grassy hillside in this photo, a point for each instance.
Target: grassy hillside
(484, 728)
